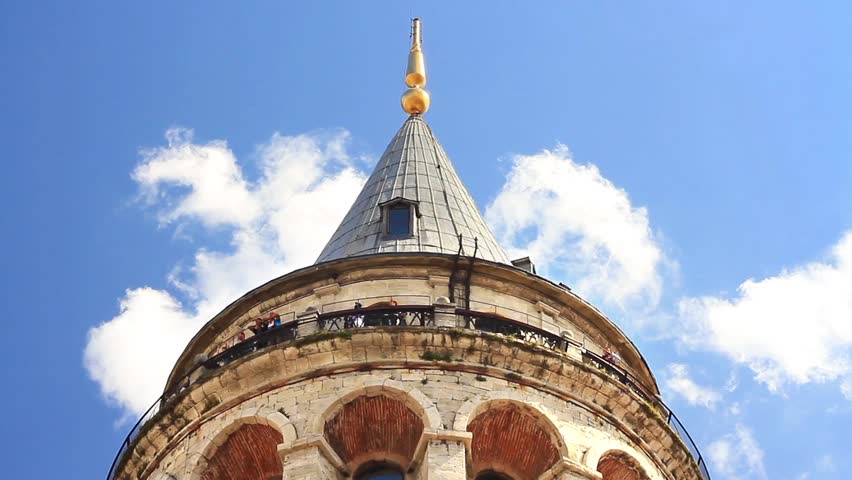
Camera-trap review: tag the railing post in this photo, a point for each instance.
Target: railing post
(198, 370)
(445, 313)
(306, 322)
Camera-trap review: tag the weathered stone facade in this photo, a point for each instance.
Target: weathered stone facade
(451, 397)
(419, 279)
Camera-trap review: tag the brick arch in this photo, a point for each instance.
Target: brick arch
(410, 396)
(514, 439)
(248, 453)
(618, 465)
(251, 435)
(602, 456)
(473, 407)
(369, 428)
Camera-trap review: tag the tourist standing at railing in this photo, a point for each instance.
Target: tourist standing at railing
(354, 321)
(274, 320)
(260, 326)
(611, 357)
(383, 318)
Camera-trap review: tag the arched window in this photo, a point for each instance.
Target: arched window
(617, 465)
(360, 433)
(379, 471)
(532, 438)
(492, 475)
(249, 453)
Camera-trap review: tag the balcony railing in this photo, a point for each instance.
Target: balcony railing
(407, 316)
(489, 322)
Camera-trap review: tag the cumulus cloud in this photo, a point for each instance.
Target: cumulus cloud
(792, 327)
(128, 356)
(273, 223)
(574, 222)
(213, 188)
(679, 382)
(737, 455)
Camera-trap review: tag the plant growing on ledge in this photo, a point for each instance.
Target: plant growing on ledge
(512, 376)
(322, 335)
(434, 356)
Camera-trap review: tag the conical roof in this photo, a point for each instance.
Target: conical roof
(414, 171)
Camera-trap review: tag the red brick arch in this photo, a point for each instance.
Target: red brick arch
(511, 439)
(374, 427)
(249, 453)
(615, 465)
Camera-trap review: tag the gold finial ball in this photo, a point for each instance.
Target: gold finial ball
(415, 101)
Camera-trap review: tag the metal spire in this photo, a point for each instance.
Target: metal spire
(416, 99)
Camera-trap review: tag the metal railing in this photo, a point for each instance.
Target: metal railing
(489, 322)
(386, 316)
(404, 316)
(395, 316)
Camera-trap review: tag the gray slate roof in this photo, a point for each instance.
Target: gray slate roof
(414, 167)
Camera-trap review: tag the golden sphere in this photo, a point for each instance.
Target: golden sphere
(415, 100)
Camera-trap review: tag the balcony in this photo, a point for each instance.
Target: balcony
(317, 325)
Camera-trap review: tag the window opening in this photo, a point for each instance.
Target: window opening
(492, 475)
(399, 221)
(380, 471)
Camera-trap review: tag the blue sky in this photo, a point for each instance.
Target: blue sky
(716, 140)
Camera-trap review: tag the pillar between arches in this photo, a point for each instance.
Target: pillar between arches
(310, 458)
(442, 455)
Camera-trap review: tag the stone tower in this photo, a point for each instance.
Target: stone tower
(413, 348)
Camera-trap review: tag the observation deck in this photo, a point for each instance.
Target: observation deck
(513, 325)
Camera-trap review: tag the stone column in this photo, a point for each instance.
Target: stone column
(444, 455)
(307, 322)
(445, 313)
(309, 459)
(568, 469)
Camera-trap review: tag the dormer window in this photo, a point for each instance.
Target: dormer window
(399, 218)
(399, 221)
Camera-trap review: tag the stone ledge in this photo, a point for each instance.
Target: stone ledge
(329, 289)
(542, 369)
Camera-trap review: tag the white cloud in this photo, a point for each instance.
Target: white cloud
(274, 225)
(846, 389)
(737, 455)
(130, 355)
(734, 408)
(573, 221)
(217, 193)
(678, 381)
(792, 327)
(733, 382)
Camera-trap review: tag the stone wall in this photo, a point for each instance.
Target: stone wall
(518, 300)
(296, 389)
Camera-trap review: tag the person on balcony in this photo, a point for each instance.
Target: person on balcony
(260, 326)
(611, 357)
(382, 318)
(356, 320)
(273, 319)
